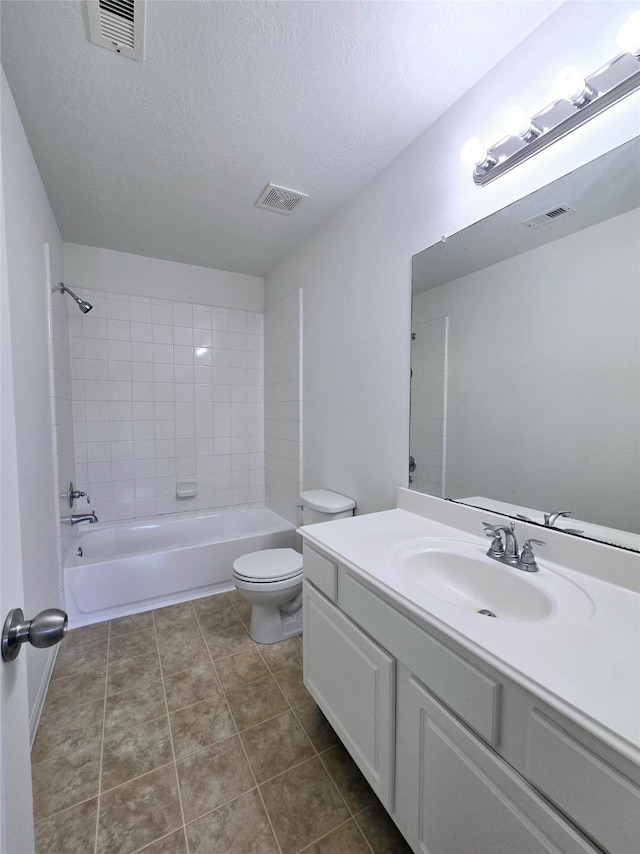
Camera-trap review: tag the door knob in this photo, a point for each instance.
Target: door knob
(46, 629)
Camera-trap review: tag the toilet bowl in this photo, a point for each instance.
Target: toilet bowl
(271, 579)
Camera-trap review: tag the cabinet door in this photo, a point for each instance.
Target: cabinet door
(467, 800)
(352, 679)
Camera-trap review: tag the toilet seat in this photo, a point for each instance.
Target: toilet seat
(268, 566)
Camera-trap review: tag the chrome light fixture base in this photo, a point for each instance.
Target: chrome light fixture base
(605, 87)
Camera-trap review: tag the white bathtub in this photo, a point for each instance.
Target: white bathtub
(136, 566)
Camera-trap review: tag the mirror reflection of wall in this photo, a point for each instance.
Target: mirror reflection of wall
(540, 410)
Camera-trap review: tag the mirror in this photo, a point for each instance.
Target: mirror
(525, 387)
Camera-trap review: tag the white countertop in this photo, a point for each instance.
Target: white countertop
(589, 672)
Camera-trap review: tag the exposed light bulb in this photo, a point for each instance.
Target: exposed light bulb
(474, 153)
(629, 35)
(518, 123)
(570, 85)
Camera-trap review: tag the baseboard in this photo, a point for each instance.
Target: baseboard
(36, 712)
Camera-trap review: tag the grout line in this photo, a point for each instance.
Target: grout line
(253, 776)
(104, 722)
(324, 836)
(173, 750)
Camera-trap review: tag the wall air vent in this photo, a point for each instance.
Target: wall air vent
(280, 199)
(118, 25)
(548, 216)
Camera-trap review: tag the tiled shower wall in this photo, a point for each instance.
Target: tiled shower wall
(283, 405)
(166, 391)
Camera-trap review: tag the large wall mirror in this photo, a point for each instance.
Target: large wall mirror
(525, 386)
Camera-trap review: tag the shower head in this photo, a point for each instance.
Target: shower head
(83, 305)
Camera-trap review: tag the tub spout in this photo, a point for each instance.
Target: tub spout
(84, 517)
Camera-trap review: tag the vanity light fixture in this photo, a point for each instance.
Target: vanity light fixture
(578, 99)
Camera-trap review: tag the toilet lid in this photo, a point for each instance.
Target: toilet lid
(269, 565)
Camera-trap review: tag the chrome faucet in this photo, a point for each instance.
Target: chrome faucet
(550, 520)
(508, 552)
(84, 517)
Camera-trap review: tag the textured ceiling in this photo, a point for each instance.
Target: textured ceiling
(166, 158)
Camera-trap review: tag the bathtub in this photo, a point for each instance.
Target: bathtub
(135, 566)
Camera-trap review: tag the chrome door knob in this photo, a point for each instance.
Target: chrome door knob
(46, 629)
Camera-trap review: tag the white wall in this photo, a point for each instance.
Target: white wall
(29, 225)
(544, 391)
(136, 275)
(283, 406)
(356, 270)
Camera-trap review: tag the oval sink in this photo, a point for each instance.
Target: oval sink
(477, 585)
(461, 574)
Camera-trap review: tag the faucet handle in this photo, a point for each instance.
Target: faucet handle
(496, 548)
(527, 557)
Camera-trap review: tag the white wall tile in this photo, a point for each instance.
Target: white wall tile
(166, 390)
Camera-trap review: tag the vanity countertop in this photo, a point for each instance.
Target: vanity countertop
(589, 671)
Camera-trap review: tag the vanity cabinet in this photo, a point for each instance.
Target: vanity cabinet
(461, 796)
(353, 681)
(464, 760)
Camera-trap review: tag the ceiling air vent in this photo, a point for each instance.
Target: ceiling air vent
(118, 25)
(280, 199)
(548, 216)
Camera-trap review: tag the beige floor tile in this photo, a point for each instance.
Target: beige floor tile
(87, 634)
(380, 831)
(285, 652)
(276, 745)
(131, 623)
(200, 725)
(191, 686)
(244, 610)
(85, 687)
(289, 678)
(68, 730)
(213, 776)
(173, 615)
(65, 780)
(229, 642)
(176, 657)
(132, 672)
(240, 669)
(174, 843)
(316, 726)
(132, 645)
(240, 827)
(74, 659)
(70, 832)
(133, 707)
(136, 752)
(254, 703)
(217, 621)
(303, 805)
(210, 604)
(347, 776)
(129, 815)
(346, 839)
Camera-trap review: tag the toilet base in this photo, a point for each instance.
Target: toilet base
(270, 625)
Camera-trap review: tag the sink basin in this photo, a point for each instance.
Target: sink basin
(477, 585)
(461, 574)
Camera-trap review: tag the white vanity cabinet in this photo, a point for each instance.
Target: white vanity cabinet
(353, 681)
(461, 796)
(461, 757)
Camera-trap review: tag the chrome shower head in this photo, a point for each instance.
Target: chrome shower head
(83, 305)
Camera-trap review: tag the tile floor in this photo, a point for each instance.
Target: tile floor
(171, 732)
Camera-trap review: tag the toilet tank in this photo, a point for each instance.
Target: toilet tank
(321, 505)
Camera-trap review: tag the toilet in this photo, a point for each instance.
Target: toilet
(271, 579)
